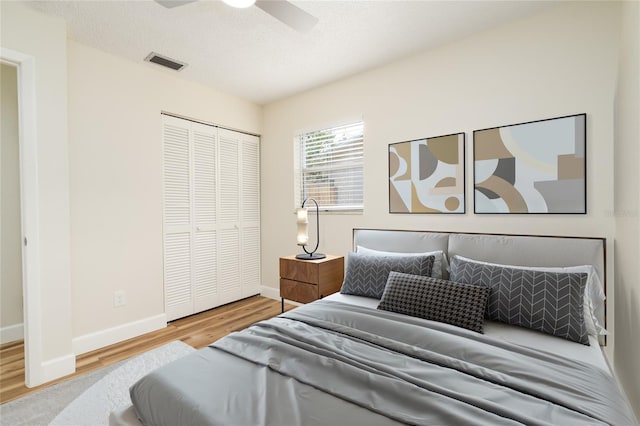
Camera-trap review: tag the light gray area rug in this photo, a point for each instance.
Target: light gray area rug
(88, 399)
(41, 407)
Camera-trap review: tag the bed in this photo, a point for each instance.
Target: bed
(341, 360)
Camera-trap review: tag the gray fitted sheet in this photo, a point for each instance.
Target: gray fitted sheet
(332, 363)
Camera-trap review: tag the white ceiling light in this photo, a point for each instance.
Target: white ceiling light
(282, 10)
(240, 4)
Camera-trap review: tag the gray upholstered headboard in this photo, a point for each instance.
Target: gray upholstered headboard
(524, 250)
(506, 249)
(400, 241)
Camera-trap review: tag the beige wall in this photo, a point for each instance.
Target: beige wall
(627, 206)
(116, 180)
(10, 231)
(562, 61)
(45, 39)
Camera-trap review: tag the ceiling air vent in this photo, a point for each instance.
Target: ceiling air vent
(165, 62)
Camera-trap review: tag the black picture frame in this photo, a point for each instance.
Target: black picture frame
(428, 175)
(535, 167)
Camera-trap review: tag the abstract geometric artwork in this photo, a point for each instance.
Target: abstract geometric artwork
(534, 167)
(427, 175)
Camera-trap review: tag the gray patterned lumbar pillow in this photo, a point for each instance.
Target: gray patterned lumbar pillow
(434, 299)
(551, 302)
(440, 264)
(367, 275)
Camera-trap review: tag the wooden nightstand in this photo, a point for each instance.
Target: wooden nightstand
(307, 280)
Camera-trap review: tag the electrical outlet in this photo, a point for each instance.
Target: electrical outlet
(119, 298)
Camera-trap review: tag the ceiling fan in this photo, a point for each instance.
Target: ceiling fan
(282, 10)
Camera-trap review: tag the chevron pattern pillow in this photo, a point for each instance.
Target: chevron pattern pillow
(440, 264)
(367, 275)
(550, 302)
(462, 305)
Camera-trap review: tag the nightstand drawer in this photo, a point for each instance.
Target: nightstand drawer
(297, 270)
(304, 280)
(298, 291)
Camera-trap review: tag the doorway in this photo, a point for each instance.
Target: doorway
(11, 309)
(24, 66)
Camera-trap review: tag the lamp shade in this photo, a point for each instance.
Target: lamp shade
(303, 237)
(302, 220)
(302, 215)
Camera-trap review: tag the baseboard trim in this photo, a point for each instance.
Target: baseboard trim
(57, 367)
(270, 292)
(100, 339)
(11, 333)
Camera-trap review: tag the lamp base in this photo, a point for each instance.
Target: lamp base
(312, 256)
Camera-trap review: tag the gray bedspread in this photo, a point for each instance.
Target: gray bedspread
(328, 363)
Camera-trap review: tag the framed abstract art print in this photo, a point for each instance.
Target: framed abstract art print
(427, 175)
(534, 167)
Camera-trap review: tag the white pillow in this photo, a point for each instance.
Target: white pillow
(593, 294)
(440, 264)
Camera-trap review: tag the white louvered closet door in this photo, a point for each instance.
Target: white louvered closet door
(239, 215)
(211, 216)
(177, 217)
(250, 214)
(229, 218)
(205, 251)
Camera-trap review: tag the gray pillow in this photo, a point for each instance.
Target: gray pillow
(367, 275)
(551, 302)
(440, 264)
(462, 305)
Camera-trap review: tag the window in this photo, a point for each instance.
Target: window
(329, 167)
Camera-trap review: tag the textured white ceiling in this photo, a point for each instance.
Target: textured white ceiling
(248, 53)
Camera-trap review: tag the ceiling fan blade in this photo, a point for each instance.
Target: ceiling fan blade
(288, 13)
(174, 3)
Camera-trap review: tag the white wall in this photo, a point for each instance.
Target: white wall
(115, 171)
(45, 39)
(11, 315)
(560, 62)
(627, 206)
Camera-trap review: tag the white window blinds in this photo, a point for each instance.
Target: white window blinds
(329, 167)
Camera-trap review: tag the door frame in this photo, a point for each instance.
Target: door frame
(27, 141)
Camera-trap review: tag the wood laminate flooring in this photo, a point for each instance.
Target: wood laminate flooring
(196, 330)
